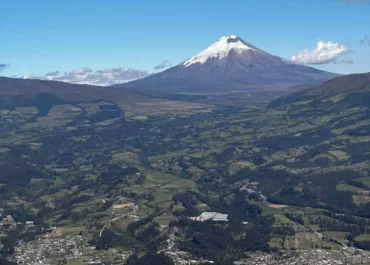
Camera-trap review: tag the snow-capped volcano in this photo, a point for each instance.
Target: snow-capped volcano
(220, 49)
(231, 64)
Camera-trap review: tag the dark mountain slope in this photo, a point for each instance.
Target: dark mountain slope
(73, 92)
(22, 92)
(342, 92)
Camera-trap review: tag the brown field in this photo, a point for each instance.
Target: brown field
(58, 232)
(160, 105)
(121, 206)
(68, 231)
(4, 149)
(277, 206)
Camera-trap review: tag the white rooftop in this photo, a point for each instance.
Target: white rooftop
(214, 216)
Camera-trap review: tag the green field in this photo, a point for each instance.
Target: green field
(350, 188)
(363, 237)
(75, 262)
(281, 173)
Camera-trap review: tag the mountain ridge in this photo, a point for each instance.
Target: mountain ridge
(353, 89)
(127, 100)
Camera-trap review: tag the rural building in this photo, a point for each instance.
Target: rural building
(211, 216)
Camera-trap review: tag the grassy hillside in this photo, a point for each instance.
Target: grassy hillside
(340, 92)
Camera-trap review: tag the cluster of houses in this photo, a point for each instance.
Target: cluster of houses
(8, 221)
(363, 192)
(48, 249)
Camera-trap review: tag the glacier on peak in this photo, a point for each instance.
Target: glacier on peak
(219, 49)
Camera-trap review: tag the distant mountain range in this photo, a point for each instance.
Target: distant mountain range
(231, 64)
(22, 92)
(67, 91)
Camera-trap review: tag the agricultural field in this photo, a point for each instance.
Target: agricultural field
(289, 178)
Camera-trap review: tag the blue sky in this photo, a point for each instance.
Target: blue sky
(41, 36)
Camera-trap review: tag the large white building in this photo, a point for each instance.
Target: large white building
(211, 216)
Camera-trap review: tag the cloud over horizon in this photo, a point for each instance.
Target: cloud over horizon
(105, 77)
(323, 53)
(162, 65)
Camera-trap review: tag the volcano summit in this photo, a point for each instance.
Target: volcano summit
(231, 64)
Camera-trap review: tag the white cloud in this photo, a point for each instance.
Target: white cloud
(106, 77)
(323, 53)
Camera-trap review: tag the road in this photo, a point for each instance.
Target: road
(113, 219)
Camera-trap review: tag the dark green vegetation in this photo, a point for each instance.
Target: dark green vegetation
(151, 259)
(224, 243)
(281, 172)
